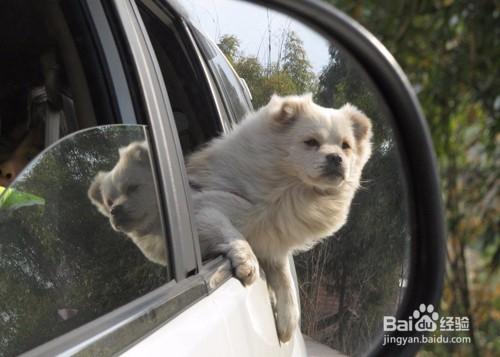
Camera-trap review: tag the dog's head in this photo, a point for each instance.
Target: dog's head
(126, 194)
(323, 147)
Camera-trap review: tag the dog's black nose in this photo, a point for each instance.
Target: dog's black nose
(333, 159)
(117, 210)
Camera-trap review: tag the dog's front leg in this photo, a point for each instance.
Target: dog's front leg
(218, 236)
(279, 280)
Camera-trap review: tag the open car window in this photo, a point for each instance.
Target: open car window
(195, 116)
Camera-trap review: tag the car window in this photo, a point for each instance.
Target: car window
(195, 116)
(81, 232)
(63, 261)
(190, 92)
(230, 85)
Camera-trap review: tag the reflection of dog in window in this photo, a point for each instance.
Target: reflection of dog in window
(29, 147)
(126, 195)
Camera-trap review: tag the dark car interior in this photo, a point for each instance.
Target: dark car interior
(50, 85)
(44, 89)
(194, 114)
(62, 263)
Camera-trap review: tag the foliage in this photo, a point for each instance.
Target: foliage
(296, 64)
(360, 271)
(291, 73)
(450, 50)
(229, 45)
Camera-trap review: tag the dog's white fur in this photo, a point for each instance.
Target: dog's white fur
(264, 190)
(265, 182)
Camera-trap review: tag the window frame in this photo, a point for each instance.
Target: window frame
(205, 45)
(224, 115)
(184, 252)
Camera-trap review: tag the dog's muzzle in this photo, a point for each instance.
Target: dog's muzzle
(119, 217)
(333, 167)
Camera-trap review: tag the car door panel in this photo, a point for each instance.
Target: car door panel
(233, 321)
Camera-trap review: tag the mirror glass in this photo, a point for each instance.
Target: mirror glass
(351, 280)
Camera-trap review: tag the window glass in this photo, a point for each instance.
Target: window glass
(195, 116)
(229, 83)
(192, 100)
(65, 260)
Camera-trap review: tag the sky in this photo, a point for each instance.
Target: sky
(250, 24)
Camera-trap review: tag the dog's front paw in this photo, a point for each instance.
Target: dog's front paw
(287, 319)
(244, 262)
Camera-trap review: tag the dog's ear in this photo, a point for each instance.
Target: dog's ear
(94, 192)
(141, 153)
(284, 110)
(137, 151)
(122, 151)
(361, 124)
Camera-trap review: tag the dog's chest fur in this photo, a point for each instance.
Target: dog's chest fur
(294, 219)
(152, 246)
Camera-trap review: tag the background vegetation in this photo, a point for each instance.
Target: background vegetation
(450, 50)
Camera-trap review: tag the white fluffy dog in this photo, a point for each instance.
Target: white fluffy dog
(278, 183)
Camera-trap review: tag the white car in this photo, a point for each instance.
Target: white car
(88, 77)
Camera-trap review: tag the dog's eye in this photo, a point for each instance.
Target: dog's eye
(345, 145)
(312, 143)
(131, 189)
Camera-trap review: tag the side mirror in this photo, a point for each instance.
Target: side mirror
(397, 221)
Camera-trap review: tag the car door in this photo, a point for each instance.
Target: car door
(71, 281)
(74, 283)
(233, 319)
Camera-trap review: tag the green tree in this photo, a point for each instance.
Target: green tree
(290, 73)
(296, 65)
(229, 45)
(278, 82)
(252, 71)
(450, 50)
